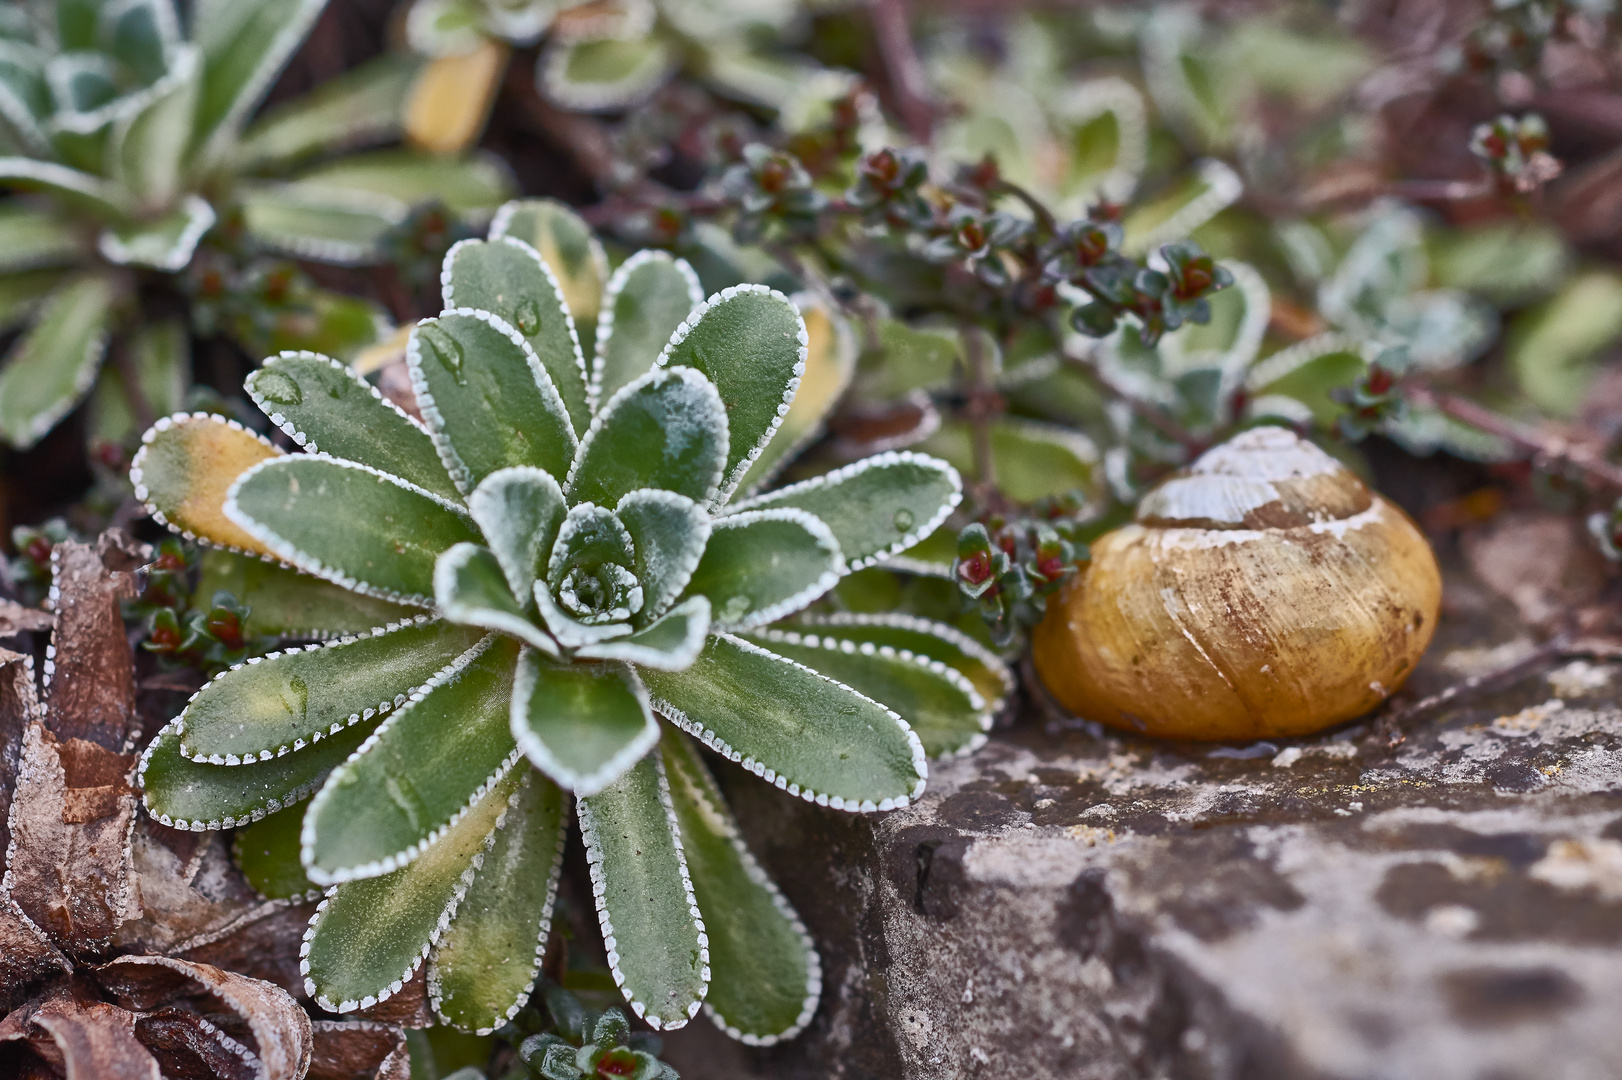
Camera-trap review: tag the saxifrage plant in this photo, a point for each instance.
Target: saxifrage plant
(125, 140)
(570, 556)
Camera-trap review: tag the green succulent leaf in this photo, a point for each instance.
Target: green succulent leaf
(71, 185)
(650, 920)
(765, 974)
(604, 73)
(567, 244)
(830, 362)
(797, 729)
(244, 44)
(359, 107)
(477, 978)
(486, 398)
(182, 794)
(332, 225)
(761, 565)
(165, 243)
(267, 854)
(670, 643)
(509, 278)
(327, 408)
(1033, 460)
(278, 704)
(420, 771)
(148, 148)
(471, 589)
(647, 299)
(940, 703)
(285, 603)
(21, 294)
(348, 523)
(158, 356)
(53, 365)
(668, 535)
(581, 724)
(926, 638)
(519, 511)
(750, 342)
(368, 937)
(592, 551)
(31, 238)
(473, 185)
(666, 430)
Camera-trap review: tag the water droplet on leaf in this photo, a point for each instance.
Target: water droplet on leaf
(448, 351)
(904, 520)
(278, 387)
(528, 316)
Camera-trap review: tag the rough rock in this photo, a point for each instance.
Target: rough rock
(1075, 903)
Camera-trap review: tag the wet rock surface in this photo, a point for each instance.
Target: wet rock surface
(1440, 901)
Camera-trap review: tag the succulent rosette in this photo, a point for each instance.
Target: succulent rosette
(561, 554)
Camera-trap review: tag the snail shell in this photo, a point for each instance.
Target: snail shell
(1264, 591)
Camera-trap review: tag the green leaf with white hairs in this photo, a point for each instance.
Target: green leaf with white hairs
(519, 510)
(670, 643)
(419, 772)
(348, 523)
(486, 398)
(876, 507)
(325, 407)
(472, 185)
(569, 247)
(267, 854)
(278, 704)
(940, 703)
(82, 189)
(508, 278)
(649, 296)
(147, 149)
(751, 343)
(666, 430)
(923, 637)
(22, 294)
(1033, 460)
(829, 364)
(650, 921)
(761, 565)
(183, 794)
(51, 367)
(668, 534)
(164, 243)
(590, 591)
(325, 224)
(285, 603)
(244, 45)
(362, 106)
(470, 588)
(368, 937)
(765, 974)
(31, 238)
(478, 977)
(604, 73)
(581, 724)
(803, 732)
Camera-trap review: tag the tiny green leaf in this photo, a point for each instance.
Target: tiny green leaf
(368, 937)
(666, 429)
(581, 724)
(878, 506)
(419, 772)
(761, 565)
(486, 398)
(470, 588)
(277, 704)
(671, 643)
(668, 533)
(766, 976)
(477, 977)
(804, 732)
(519, 510)
(649, 296)
(185, 795)
(604, 73)
(751, 343)
(508, 278)
(645, 903)
(166, 243)
(327, 408)
(52, 365)
(267, 854)
(363, 529)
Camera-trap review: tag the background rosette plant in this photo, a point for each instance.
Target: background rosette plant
(567, 552)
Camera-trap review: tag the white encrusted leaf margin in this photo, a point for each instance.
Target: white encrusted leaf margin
(690, 376)
(540, 755)
(446, 567)
(826, 541)
(268, 407)
(918, 624)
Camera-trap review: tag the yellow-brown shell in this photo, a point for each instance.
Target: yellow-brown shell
(1263, 592)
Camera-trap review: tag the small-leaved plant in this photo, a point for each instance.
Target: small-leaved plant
(574, 553)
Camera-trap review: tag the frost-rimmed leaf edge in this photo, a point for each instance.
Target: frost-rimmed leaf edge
(582, 786)
(611, 294)
(918, 624)
(787, 606)
(143, 495)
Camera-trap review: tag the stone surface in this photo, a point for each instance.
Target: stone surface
(1075, 903)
